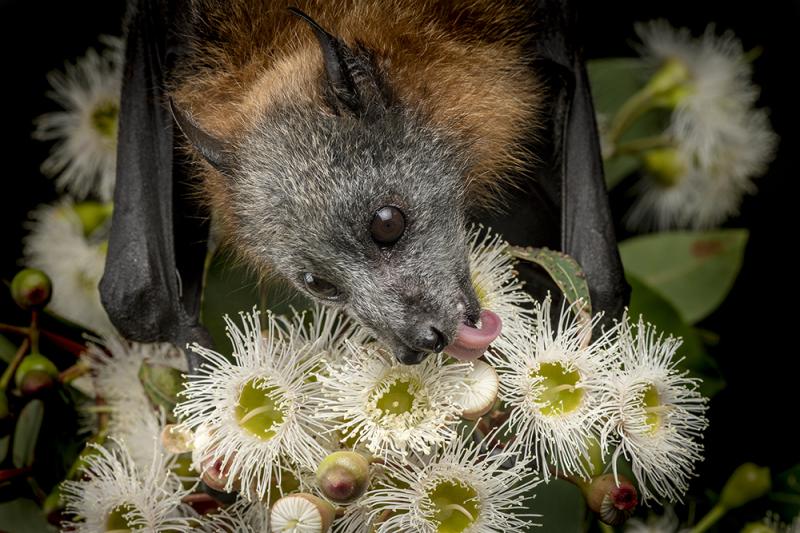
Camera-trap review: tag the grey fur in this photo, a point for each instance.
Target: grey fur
(305, 192)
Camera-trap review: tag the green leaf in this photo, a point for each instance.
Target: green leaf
(23, 516)
(7, 349)
(614, 81)
(26, 433)
(162, 384)
(564, 270)
(562, 506)
(694, 271)
(4, 442)
(659, 312)
(231, 288)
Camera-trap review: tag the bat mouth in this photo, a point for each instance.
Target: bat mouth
(472, 340)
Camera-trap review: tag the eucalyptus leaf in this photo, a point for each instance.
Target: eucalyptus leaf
(7, 349)
(26, 433)
(562, 506)
(161, 384)
(23, 516)
(4, 443)
(694, 271)
(231, 288)
(659, 312)
(563, 269)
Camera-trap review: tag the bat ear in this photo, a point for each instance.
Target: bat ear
(342, 67)
(216, 151)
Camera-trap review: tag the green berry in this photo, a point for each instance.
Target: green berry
(31, 289)
(34, 362)
(343, 476)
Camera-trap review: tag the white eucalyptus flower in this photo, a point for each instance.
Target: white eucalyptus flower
(552, 382)
(84, 156)
(257, 411)
(495, 280)
(461, 488)
(324, 329)
(57, 245)
(389, 407)
(721, 141)
(134, 421)
(116, 495)
(655, 414)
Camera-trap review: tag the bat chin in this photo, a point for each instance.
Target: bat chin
(409, 356)
(472, 341)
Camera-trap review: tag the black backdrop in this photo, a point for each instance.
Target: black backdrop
(750, 420)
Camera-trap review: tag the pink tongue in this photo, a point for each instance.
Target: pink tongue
(471, 342)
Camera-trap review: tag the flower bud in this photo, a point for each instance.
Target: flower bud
(31, 289)
(316, 514)
(35, 362)
(482, 387)
(343, 476)
(613, 503)
(747, 483)
(36, 382)
(161, 383)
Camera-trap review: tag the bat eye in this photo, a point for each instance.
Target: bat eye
(321, 288)
(387, 225)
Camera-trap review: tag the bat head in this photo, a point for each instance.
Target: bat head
(359, 203)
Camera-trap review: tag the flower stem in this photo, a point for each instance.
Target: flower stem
(33, 332)
(74, 372)
(634, 107)
(5, 379)
(640, 145)
(716, 512)
(8, 328)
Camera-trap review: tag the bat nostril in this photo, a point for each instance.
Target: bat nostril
(441, 340)
(432, 340)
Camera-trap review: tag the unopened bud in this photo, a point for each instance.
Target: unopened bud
(38, 364)
(613, 502)
(161, 383)
(31, 289)
(316, 514)
(482, 386)
(36, 382)
(747, 483)
(343, 476)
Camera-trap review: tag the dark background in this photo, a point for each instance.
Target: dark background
(751, 419)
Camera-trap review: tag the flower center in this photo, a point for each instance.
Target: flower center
(455, 506)
(558, 390)
(104, 119)
(116, 521)
(260, 408)
(398, 398)
(651, 402)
